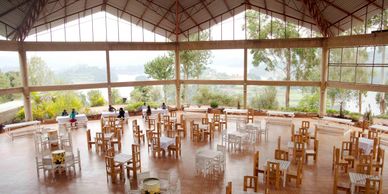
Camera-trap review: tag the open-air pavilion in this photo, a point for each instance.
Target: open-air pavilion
(252, 91)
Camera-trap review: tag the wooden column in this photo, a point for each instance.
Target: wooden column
(245, 77)
(24, 77)
(110, 100)
(323, 87)
(177, 78)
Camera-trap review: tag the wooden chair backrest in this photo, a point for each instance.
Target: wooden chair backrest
(205, 120)
(166, 118)
(250, 182)
(110, 152)
(279, 142)
(372, 134)
(136, 154)
(216, 117)
(373, 186)
(346, 148)
(178, 143)
(364, 168)
(365, 159)
(109, 165)
(173, 113)
(155, 141)
(88, 135)
(100, 137)
(316, 144)
(256, 158)
(303, 131)
(380, 155)
(272, 171)
(298, 138)
(305, 124)
(281, 155)
(337, 155)
(149, 137)
(229, 188)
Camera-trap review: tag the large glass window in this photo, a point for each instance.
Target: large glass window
(9, 70)
(58, 68)
(367, 65)
(212, 64)
(266, 97)
(141, 65)
(204, 95)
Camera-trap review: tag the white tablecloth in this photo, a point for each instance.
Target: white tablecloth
(166, 141)
(380, 128)
(280, 113)
(236, 111)
(115, 114)
(365, 144)
(207, 154)
(64, 119)
(195, 109)
(156, 111)
(338, 120)
(358, 179)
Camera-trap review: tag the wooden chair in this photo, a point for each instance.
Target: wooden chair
(337, 161)
(373, 186)
(364, 168)
(156, 149)
(181, 128)
(299, 151)
(250, 182)
(305, 135)
(116, 140)
(347, 152)
(138, 134)
(339, 186)
(365, 159)
(378, 164)
(177, 148)
(250, 115)
(224, 122)
(228, 188)
(209, 133)
(217, 121)
(372, 134)
(298, 138)
(110, 152)
(151, 123)
(296, 174)
(112, 121)
(313, 152)
(89, 139)
(173, 113)
(149, 139)
(101, 143)
(113, 170)
(281, 155)
(279, 142)
(256, 169)
(135, 164)
(195, 132)
(169, 130)
(355, 148)
(305, 124)
(272, 174)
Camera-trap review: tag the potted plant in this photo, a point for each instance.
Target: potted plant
(214, 104)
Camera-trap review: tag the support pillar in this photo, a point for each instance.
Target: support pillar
(245, 78)
(110, 100)
(323, 87)
(177, 78)
(24, 77)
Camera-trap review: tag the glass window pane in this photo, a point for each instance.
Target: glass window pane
(266, 97)
(9, 70)
(349, 55)
(364, 75)
(224, 95)
(347, 74)
(334, 73)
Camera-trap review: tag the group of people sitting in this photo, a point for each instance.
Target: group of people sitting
(111, 109)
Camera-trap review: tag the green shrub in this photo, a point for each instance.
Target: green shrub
(214, 104)
(95, 98)
(266, 100)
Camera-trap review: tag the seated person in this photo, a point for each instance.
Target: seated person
(72, 116)
(121, 113)
(111, 109)
(163, 106)
(149, 111)
(64, 113)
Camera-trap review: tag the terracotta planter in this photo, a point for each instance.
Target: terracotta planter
(49, 121)
(210, 110)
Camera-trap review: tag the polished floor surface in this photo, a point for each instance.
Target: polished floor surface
(18, 171)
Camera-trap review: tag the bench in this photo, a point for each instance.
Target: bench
(20, 132)
(279, 121)
(331, 129)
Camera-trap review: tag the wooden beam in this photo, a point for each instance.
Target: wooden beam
(320, 21)
(284, 83)
(11, 90)
(189, 16)
(208, 11)
(13, 8)
(145, 10)
(228, 7)
(124, 8)
(343, 10)
(164, 16)
(67, 87)
(354, 86)
(143, 83)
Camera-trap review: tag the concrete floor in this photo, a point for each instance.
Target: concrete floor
(18, 170)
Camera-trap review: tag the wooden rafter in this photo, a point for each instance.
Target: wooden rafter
(362, 7)
(321, 22)
(342, 10)
(189, 16)
(145, 10)
(32, 15)
(124, 8)
(208, 11)
(104, 3)
(375, 4)
(228, 7)
(164, 16)
(13, 8)
(85, 7)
